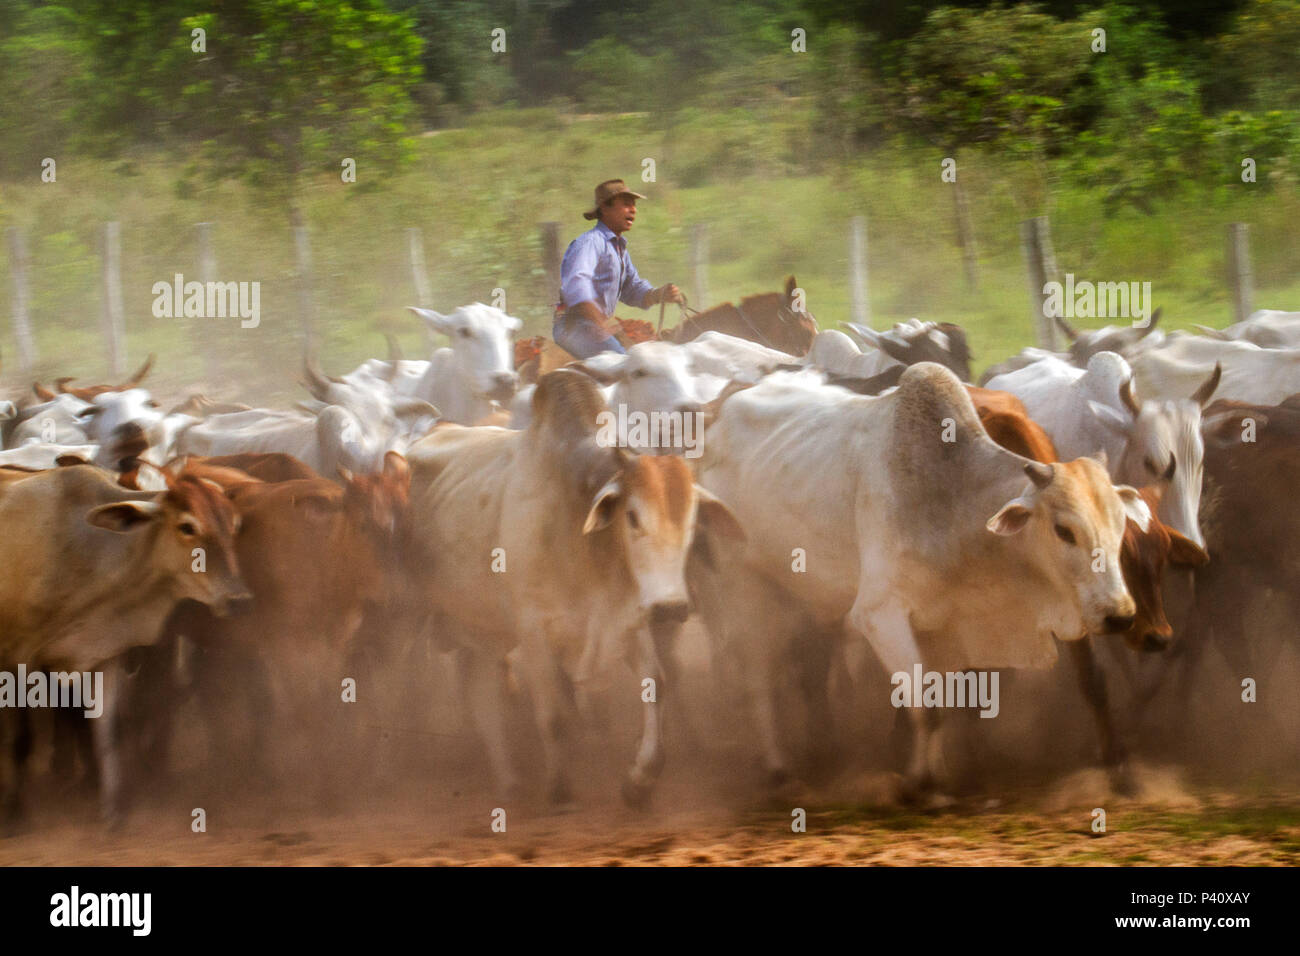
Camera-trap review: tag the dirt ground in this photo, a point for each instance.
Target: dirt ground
(1167, 823)
(1225, 790)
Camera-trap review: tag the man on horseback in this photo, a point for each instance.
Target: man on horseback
(597, 274)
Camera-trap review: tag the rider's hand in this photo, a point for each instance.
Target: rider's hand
(670, 293)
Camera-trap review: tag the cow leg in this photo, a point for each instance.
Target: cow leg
(889, 632)
(1092, 681)
(652, 647)
(483, 679)
(107, 746)
(15, 749)
(816, 653)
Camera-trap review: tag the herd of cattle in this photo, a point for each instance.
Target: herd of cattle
(854, 490)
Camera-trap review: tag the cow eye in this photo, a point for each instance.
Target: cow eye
(640, 373)
(633, 522)
(1064, 533)
(187, 529)
(463, 333)
(1151, 466)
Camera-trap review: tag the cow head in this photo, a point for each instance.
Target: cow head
(1163, 443)
(377, 502)
(1074, 518)
(916, 341)
(653, 510)
(653, 377)
(193, 526)
(1121, 339)
(1143, 558)
(481, 346)
(125, 425)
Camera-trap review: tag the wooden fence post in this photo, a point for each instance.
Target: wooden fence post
(1040, 268)
(1240, 277)
(200, 330)
(420, 276)
(302, 254)
(114, 320)
(699, 253)
(21, 322)
(551, 259)
(966, 236)
(858, 270)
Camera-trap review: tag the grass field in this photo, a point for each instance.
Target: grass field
(774, 204)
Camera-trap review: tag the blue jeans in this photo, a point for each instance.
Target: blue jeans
(582, 338)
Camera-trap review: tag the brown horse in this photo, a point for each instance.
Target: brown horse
(768, 319)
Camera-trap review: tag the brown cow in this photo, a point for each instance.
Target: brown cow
(315, 555)
(768, 319)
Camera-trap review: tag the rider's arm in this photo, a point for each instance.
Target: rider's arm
(636, 291)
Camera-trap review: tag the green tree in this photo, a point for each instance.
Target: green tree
(284, 88)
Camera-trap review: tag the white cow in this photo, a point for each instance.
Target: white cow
(1261, 376)
(356, 423)
(1086, 411)
(953, 554)
(58, 420)
(1267, 328)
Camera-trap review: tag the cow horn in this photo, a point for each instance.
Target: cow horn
(1202, 394)
(394, 350)
(61, 384)
(316, 382)
(1151, 322)
(139, 376)
(1128, 398)
(1211, 333)
(41, 392)
(1070, 331)
(1040, 474)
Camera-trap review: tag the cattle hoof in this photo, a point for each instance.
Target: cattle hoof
(559, 793)
(915, 790)
(1122, 781)
(778, 778)
(636, 794)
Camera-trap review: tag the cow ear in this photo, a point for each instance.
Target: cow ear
(1184, 552)
(715, 518)
(602, 507)
(123, 516)
(1011, 517)
(1135, 508)
(1112, 418)
(396, 468)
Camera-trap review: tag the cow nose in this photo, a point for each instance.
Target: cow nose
(1153, 642)
(669, 612)
(506, 380)
(1117, 623)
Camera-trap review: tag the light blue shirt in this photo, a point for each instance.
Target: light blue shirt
(597, 268)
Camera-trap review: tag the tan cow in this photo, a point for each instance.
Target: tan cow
(574, 552)
(92, 570)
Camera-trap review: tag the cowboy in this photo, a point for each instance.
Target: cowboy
(597, 274)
